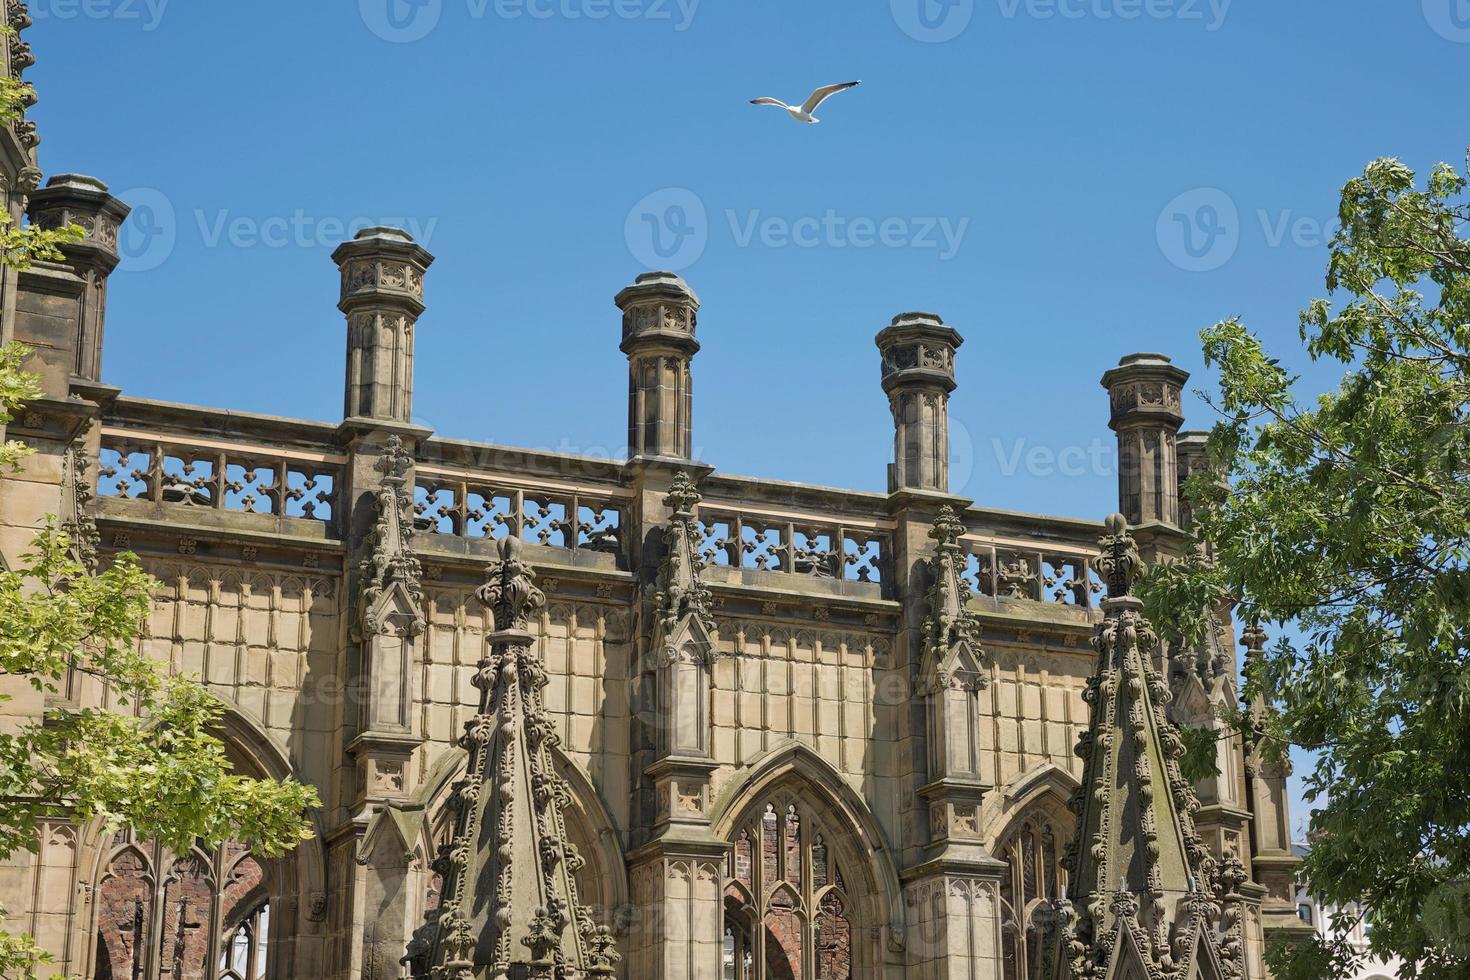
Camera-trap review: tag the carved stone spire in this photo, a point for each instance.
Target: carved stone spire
(1144, 896)
(77, 519)
(390, 620)
(952, 631)
(391, 598)
(510, 908)
(683, 600)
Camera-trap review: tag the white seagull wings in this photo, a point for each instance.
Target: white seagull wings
(803, 113)
(824, 93)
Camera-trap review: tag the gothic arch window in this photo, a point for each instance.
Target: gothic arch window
(200, 915)
(1034, 876)
(788, 912)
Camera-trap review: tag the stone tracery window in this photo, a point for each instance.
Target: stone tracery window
(788, 914)
(203, 915)
(1034, 877)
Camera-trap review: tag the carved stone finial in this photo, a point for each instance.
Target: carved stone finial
(510, 588)
(950, 623)
(1141, 873)
(1119, 562)
(947, 530)
(1254, 640)
(394, 463)
(509, 905)
(391, 594)
(683, 496)
(682, 594)
(77, 519)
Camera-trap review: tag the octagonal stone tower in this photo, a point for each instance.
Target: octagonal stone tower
(1145, 393)
(383, 297)
(75, 199)
(660, 316)
(918, 376)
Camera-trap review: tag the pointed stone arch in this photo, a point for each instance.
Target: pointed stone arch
(827, 829)
(152, 882)
(1031, 827)
(1048, 787)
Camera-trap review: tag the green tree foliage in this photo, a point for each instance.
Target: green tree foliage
(1348, 526)
(153, 762)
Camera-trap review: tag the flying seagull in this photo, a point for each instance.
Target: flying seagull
(803, 113)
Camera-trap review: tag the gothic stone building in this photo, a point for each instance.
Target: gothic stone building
(763, 730)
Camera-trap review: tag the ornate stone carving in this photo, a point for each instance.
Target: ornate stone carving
(683, 600)
(77, 520)
(391, 592)
(951, 631)
(510, 589)
(510, 905)
(1143, 897)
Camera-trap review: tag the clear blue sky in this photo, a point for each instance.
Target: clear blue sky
(1068, 147)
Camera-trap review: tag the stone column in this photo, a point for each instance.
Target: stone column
(383, 297)
(660, 316)
(64, 320)
(918, 376)
(1145, 392)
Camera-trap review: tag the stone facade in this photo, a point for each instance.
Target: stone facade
(792, 732)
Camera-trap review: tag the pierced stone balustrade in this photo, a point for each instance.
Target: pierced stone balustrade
(1045, 574)
(575, 520)
(816, 549)
(136, 466)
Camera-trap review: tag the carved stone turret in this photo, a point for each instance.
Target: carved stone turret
(1145, 391)
(390, 619)
(510, 908)
(1145, 898)
(383, 297)
(684, 644)
(951, 677)
(72, 199)
(660, 317)
(918, 376)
